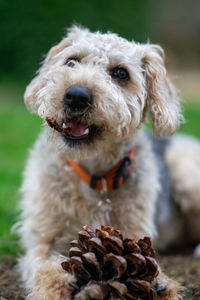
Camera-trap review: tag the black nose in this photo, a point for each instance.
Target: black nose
(77, 98)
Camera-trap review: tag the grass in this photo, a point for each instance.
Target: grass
(19, 130)
(192, 114)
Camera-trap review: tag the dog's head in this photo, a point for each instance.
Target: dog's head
(96, 88)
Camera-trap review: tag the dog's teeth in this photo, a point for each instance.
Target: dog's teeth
(86, 131)
(64, 125)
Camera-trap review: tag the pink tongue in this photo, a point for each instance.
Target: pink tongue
(76, 129)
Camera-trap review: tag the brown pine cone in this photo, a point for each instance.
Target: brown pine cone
(106, 266)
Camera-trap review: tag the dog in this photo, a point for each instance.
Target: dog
(94, 162)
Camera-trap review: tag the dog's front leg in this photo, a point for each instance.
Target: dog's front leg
(43, 275)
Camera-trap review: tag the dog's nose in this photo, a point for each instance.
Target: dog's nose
(77, 98)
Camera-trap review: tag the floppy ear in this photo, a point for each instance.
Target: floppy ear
(162, 100)
(30, 96)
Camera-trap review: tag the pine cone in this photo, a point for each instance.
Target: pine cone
(106, 266)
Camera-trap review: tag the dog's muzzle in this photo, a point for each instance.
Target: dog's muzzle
(77, 99)
(75, 128)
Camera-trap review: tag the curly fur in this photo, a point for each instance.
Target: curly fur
(55, 202)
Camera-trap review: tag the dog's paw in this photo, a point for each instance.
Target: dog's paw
(51, 283)
(169, 289)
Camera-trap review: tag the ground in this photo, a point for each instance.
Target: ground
(183, 268)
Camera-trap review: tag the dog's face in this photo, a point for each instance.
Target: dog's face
(95, 88)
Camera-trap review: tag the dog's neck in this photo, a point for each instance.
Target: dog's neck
(99, 165)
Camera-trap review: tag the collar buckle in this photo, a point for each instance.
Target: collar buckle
(113, 179)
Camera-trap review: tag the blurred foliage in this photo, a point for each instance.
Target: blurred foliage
(29, 28)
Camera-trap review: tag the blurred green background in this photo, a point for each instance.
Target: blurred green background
(29, 28)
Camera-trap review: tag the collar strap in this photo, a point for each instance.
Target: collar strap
(114, 178)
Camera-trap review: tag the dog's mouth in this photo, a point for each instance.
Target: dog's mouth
(74, 131)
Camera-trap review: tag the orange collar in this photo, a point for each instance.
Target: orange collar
(114, 178)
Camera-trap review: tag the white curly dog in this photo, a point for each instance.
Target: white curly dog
(94, 92)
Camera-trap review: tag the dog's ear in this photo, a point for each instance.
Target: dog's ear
(30, 96)
(162, 101)
(57, 49)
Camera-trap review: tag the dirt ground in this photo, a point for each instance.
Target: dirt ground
(183, 268)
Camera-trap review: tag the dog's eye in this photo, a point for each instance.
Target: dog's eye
(120, 74)
(71, 61)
